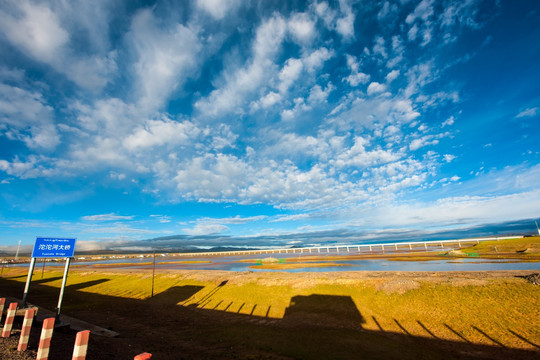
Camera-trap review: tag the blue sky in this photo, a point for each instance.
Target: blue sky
(128, 120)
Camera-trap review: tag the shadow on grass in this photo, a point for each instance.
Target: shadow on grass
(46, 280)
(324, 310)
(84, 285)
(524, 339)
(313, 327)
(175, 294)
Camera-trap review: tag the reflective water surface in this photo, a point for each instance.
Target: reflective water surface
(252, 263)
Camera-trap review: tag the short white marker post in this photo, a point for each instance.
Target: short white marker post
(143, 356)
(2, 303)
(8, 324)
(45, 339)
(81, 345)
(25, 331)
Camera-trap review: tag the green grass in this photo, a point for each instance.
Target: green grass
(527, 246)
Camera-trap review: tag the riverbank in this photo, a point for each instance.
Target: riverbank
(346, 315)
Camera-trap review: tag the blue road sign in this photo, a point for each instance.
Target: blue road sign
(53, 247)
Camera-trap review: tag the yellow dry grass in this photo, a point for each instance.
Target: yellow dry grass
(471, 307)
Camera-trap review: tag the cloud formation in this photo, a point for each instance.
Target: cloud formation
(297, 117)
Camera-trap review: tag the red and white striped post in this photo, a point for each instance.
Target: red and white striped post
(2, 303)
(143, 356)
(81, 345)
(8, 324)
(45, 339)
(25, 331)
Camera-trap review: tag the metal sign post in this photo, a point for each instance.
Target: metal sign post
(51, 248)
(28, 279)
(64, 280)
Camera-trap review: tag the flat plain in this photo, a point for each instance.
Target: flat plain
(308, 315)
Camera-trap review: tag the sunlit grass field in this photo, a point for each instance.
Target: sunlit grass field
(501, 311)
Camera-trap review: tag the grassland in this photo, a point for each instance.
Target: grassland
(307, 315)
(334, 315)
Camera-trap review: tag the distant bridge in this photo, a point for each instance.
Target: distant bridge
(362, 248)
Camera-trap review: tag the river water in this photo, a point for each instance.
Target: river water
(243, 263)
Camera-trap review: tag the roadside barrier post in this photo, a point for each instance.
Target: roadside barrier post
(2, 303)
(8, 324)
(45, 339)
(81, 345)
(25, 331)
(143, 356)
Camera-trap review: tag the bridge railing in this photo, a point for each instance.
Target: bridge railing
(357, 247)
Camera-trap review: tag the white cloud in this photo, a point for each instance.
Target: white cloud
(117, 176)
(28, 118)
(218, 8)
(302, 28)
(95, 245)
(318, 95)
(358, 156)
(345, 24)
(210, 226)
(392, 75)
(163, 219)
(317, 58)
(166, 58)
(464, 210)
(341, 21)
(37, 30)
(448, 122)
(106, 217)
(267, 101)
(234, 220)
(299, 107)
(375, 88)
(386, 11)
(295, 217)
(379, 47)
(356, 77)
(412, 33)
(289, 73)
(243, 83)
(421, 142)
(448, 157)
(160, 132)
(49, 33)
(372, 112)
(529, 112)
(426, 35)
(325, 12)
(423, 11)
(206, 229)
(107, 117)
(226, 178)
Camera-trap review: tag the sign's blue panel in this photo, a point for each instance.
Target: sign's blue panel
(53, 247)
